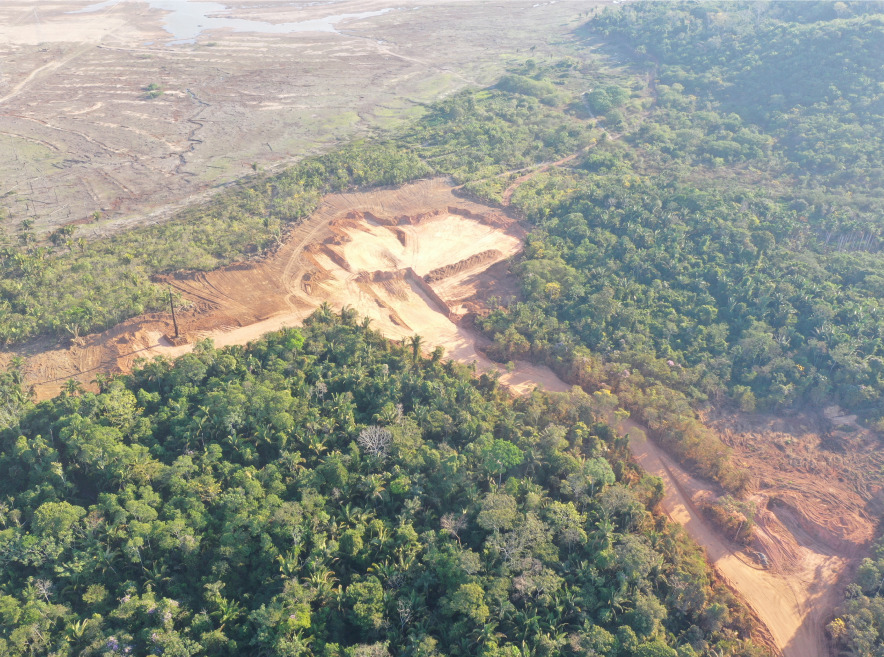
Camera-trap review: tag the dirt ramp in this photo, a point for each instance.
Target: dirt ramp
(797, 589)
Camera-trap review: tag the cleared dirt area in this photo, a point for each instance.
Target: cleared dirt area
(81, 133)
(822, 469)
(417, 260)
(794, 595)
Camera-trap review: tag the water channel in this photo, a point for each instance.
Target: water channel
(186, 20)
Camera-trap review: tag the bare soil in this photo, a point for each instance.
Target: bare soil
(415, 260)
(821, 468)
(795, 595)
(81, 134)
(419, 260)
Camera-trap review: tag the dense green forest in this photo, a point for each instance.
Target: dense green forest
(717, 240)
(327, 492)
(806, 73)
(700, 255)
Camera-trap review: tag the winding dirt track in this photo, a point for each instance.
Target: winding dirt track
(793, 606)
(416, 260)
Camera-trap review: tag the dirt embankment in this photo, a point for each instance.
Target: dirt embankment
(793, 594)
(492, 255)
(416, 259)
(824, 471)
(369, 251)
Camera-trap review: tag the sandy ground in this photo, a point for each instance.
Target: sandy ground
(81, 135)
(822, 466)
(793, 597)
(373, 252)
(418, 260)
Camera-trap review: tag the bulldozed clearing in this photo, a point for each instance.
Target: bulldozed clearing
(821, 469)
(793, 597)
(414, 260)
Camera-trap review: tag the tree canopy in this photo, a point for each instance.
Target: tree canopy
(237, 501)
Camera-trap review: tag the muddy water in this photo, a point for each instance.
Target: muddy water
(187, 20)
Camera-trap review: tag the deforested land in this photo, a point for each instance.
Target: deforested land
(542, 328)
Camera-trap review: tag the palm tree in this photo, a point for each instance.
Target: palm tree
(324, 311)
(293, 461)
(288, 564)
(158, 574)
(487, 634)
(75, 633)
(388, 415)
(228, 610)
(375, 486)
(604, 530)
(321, 580)
(348, 315)
(316, 444)
(382, 535)
(416, 343)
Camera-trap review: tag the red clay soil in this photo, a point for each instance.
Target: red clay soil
(793, 597)
(371, 251)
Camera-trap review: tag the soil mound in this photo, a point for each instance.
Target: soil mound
(492, 255)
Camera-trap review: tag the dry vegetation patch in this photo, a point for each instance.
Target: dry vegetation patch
(101, 112)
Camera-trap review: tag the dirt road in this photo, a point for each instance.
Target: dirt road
(793, 606)
(373, 252)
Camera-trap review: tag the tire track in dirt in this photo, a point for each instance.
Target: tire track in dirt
(46, 68)
(76, 133)
(33, 140)
(82, 49)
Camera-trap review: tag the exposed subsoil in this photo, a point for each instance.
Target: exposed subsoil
(415, 260)
(420, 260)
(822, 468)
(795, 595)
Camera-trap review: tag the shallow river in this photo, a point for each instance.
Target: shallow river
(186, 19)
